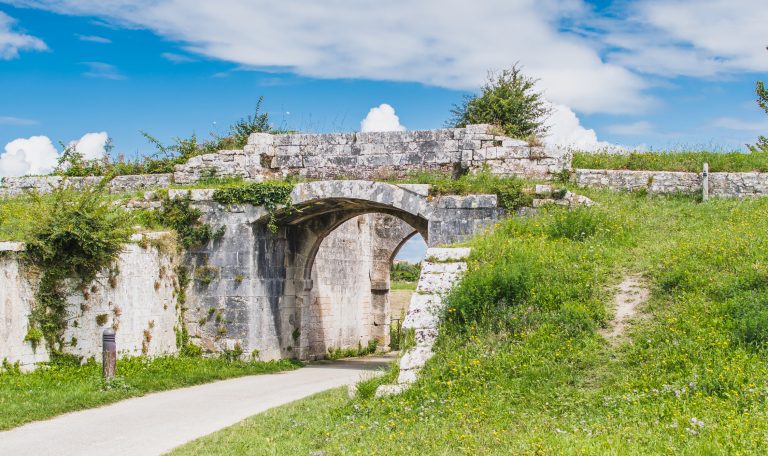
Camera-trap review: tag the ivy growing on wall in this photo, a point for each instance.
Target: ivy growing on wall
(267, 194)
(179, 215)
(79, 233)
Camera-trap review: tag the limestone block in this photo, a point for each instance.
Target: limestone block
(436, 254)
(261, 139)
(10, 246)
(416, 358)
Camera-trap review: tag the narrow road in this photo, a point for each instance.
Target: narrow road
(159, 422)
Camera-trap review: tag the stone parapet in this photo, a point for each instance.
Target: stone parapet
(662, 182)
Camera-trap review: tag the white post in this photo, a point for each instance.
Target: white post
(705, 183)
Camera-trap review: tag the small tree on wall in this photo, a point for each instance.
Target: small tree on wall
(508, 100)
(762, 101)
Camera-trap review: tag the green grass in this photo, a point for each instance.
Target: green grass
(402, 285)
(521, 367)
(691, 161)
(53, 390)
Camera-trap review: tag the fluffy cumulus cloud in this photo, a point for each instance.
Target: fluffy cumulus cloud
(13, 41)
(565, 130)
(447, 43)
(92, 145)
(37, 155)
(381, 118)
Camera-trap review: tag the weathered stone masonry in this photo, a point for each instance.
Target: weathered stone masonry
(720, 184)
(264, 283)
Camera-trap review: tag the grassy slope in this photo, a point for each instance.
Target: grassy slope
(51, 391)
(528, 373)
(691, 161)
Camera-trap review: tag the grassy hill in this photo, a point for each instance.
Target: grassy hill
(522, 366)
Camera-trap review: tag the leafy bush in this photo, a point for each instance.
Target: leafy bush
(509, 101)
(762, 101)
(179, 215)
(267, 194)
(404, 272)
(78, 234)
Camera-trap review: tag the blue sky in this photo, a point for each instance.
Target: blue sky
(629, 73)
(645, 73)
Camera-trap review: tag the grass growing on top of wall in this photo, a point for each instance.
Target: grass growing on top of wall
(509, 190)
(56, 389)
(521, 366)
(691, 161)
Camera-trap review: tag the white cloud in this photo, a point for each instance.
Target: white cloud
(101, 70)
(34, 155)
(37, 155)
(381, 118)
(730, 123)
(93, 38)
(641, 127)
(692, 37)
(92, 145)
(177, 58)
(8, 120)
(565, 130)
(448, 43)
(11, 42)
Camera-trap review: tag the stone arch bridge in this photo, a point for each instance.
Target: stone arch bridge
(320, 280)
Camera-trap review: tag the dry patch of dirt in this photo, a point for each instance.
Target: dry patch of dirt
(631, 293)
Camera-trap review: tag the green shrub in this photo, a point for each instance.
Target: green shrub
(404, 272)
(267, 194)
(509, 101)
(78, 234)
(179, 215)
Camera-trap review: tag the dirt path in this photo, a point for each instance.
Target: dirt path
(630, 294)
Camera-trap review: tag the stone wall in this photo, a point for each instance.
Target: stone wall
(377, 155)
(13, 186)
(137, 299)
(660, 182)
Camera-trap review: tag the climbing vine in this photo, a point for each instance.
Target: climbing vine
(267, 194)
(181, 216)
(79, 233)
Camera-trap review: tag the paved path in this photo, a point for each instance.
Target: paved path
(159, 422)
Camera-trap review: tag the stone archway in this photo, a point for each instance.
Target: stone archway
(257, 292)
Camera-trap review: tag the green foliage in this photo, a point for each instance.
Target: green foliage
(56, 389)
(509, 101)
(77, 234)
(762, 101)
(577, 224)
(748, 314)
(179, 215)
(404, 272)
(509, 190)
(267, 194)
(166, 156)
(351, 352)
(690, 161)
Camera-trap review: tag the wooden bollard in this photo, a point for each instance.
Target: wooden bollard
(109, 354)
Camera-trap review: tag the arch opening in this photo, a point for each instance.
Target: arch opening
(348, 295)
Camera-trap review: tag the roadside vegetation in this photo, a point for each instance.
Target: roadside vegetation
(690, 161)
(521, 366)
(60, 388)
